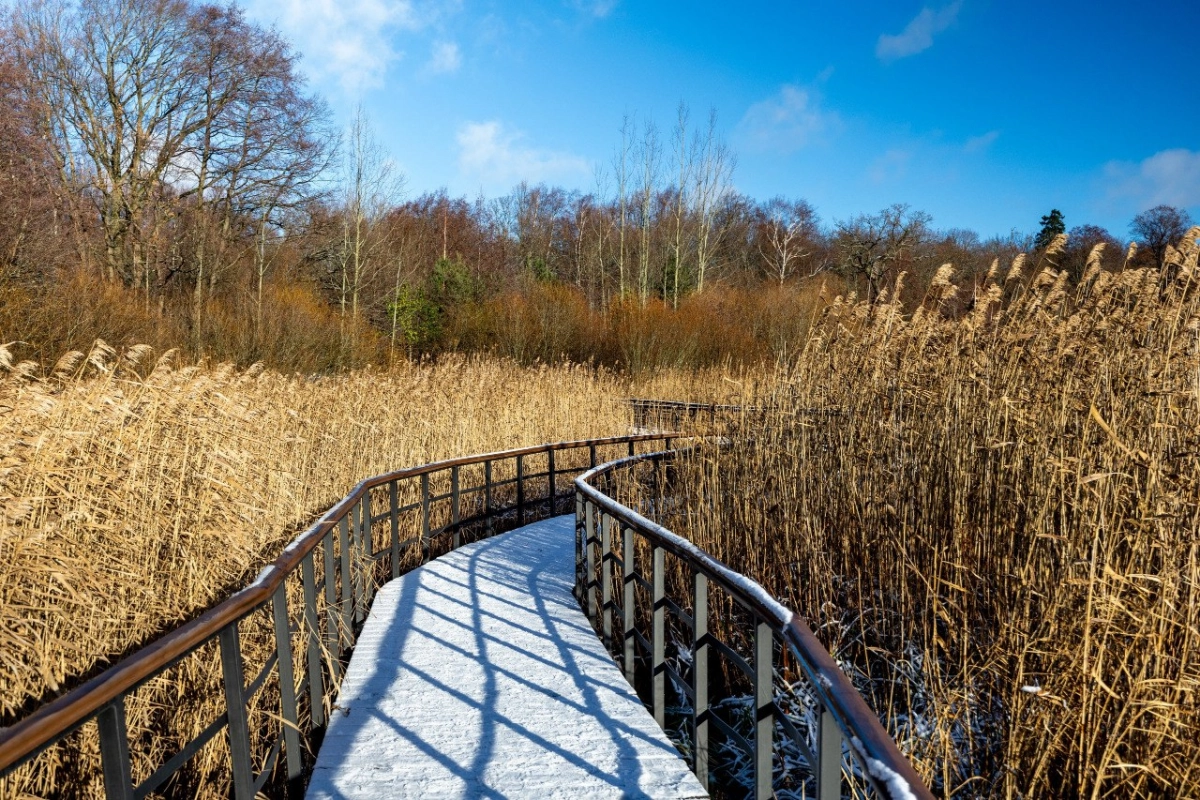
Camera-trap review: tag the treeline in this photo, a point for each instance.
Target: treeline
(168, 179)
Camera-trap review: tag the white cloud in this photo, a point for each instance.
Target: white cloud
(349, 41)
(918, 34)
(789, 121)
(1169, 177)
(446, 58)
(978, 144)
(491, 153)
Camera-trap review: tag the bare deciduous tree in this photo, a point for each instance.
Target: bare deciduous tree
(785, 235)
(371, 186)
(1158, 227)
(649, 152)
(712, 183)
(870, 246)
(151, 105)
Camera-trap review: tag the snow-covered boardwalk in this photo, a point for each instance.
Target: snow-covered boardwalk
(478, 676)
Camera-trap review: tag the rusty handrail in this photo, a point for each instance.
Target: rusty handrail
(102, 697)
(843, 715)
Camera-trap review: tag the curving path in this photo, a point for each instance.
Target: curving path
(477, 676)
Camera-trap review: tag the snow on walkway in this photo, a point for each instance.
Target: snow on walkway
(478, 676)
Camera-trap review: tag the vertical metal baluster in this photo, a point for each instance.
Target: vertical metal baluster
(347, 629)
(700, 677)
(628, 659)
(369, 539)
(366, 561)
(333, 640)
(237, 725)
(606, 526)
(764, 726)
(592, 455)
(316, 685)
(487, 494)
(829, 757)
(589, 553)
(520, 490)
(287, 688)
(394, 512)
(658, 672)
(455, 506)
(114, 750)
(631, 448)
(424, 516)
(550, 469)
(356, 571)
(578, 547)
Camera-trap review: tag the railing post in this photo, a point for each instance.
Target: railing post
(287, 688)
(394, 516)
(658, 669)
(700, 677)
(764, 716)
(235, 708)
(592, 455)
(632, 450)
(550, 469)
(578, 547)
(589, 553)
(628, 658)
(366, 548)
(333, 638)
(520, 490)
(424, 516)
(316, 684)
(606, 526)
(348, 589)
(114, 751)
(455, 506)
(829, 757)
(487, 493)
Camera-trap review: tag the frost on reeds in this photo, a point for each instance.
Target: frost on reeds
(134, 494)
(966, 508)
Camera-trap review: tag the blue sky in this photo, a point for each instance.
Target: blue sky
(984, 114)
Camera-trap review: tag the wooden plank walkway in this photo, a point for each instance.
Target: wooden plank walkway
(477, 676)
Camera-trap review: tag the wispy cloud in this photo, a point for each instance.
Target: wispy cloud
(1169, 177)
(979, 144)
(891, 166)
(790, 120)
(595, 8)
(489, 152)
(918, 35)
(446, 59)
(348, 41)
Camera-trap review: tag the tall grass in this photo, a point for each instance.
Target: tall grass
(993, 523)
(135, 493)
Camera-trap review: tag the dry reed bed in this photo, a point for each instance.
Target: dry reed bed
(132, 502)
(997, 532)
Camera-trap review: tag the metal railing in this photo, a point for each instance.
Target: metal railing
(621, 556)
(675, 413)
(332, 571)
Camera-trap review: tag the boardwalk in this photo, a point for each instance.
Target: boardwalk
(478, 676)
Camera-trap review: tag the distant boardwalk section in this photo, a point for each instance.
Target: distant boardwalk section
(478, 676)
